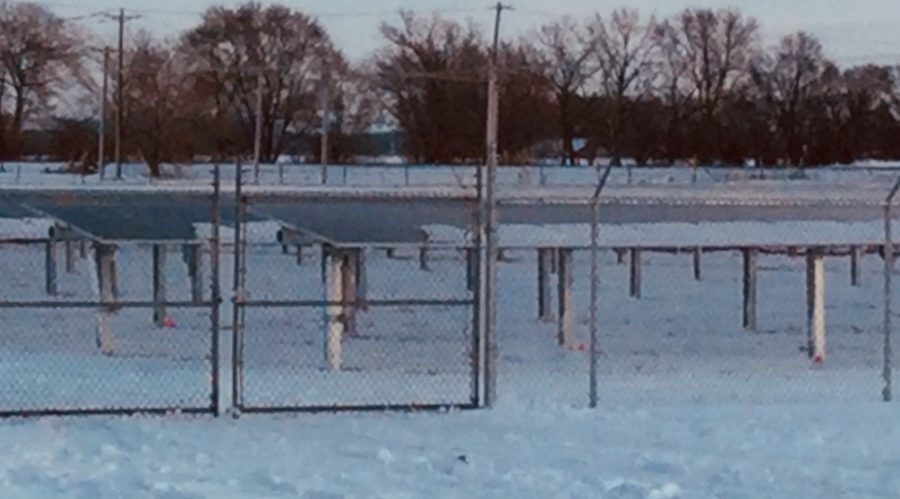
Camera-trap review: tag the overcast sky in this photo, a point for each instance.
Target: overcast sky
(853, 31)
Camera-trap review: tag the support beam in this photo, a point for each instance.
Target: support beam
(635, 281)
(566, 333)
(544, 267)
(70, 256)
(334, 326)
(698, 252)
(105, 260)
(423, 258)
(856, 254)
(620, 256)
(815, 306)
(750, 289)
(50, 266)
(362, 277)
(349, 271)
(299, 255)
(159, 284)
(193, 258)
(471, 267)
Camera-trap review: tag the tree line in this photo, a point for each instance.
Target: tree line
(701, 86)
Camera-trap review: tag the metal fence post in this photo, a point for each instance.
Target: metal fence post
(888, 291)
(237, 343)
(595, 288)
(215, 292)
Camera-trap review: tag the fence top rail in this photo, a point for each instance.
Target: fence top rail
(829, 248)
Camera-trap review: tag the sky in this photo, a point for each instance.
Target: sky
(852, 31)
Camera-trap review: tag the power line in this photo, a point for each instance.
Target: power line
(197, 13)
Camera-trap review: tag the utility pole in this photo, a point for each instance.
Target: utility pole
(120, 96)
(326, 121)
(489, 220)
(257, 139)
(120, 112)
(101, 147)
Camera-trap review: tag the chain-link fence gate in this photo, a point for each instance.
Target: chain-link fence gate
(91, 323)
(346, 316)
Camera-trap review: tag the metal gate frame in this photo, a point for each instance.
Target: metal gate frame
(213, 304)
(240, 304)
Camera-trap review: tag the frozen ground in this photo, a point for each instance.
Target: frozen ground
(681, 343)
(508, 178)
(733, 452)
(691, 405)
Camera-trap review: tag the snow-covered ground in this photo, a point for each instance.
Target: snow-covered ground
(690, 404)
(453, 176)
(736, 451)
(681, 343)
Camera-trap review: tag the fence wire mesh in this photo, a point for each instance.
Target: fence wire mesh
(686, 340)
(85, 327)
(326, 325)
(350, 328)
(697, 301)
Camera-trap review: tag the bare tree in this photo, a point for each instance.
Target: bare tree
(718, 46)
(162, 110)
(624, 49)
(565, 55)
(527, 107)
(38, 52)
(354, 106)
(672, 80)
(430, 76)
(233, 47)
(867, 94)
(788, 80)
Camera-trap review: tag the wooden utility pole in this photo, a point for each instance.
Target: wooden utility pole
(257, 139)
(326, 120)
(120, 112)
(120, 87)
(101, 147)
(489, 220)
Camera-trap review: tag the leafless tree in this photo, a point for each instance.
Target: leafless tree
(624, 50)
(718, 47)
(788, 80)
(430, 76)
(672, 81)
(565, 55)
(162, 110)
(290, 51)
(40, 53)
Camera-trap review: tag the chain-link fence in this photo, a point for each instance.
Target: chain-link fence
(706, 302)
(325, 319)
(91, 327)
(356, 302)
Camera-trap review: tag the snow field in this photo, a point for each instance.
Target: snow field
(681, 343)
(723, 451)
